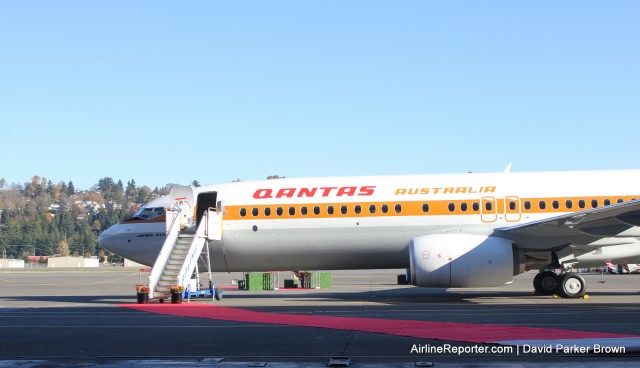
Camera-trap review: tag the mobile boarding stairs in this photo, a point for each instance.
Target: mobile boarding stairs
(178, 259)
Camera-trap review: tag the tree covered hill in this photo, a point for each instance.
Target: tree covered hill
(44, 219)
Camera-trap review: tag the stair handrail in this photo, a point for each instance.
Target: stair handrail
(171, 236)
(176, 210)
(193, 254)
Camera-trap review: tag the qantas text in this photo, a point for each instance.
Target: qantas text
(266, 193)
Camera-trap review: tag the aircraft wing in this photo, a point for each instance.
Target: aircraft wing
(620, 220)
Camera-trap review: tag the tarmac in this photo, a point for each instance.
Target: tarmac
(81, 318)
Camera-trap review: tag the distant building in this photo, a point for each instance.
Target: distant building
(72, 262)
(36, 259)
(11, 263)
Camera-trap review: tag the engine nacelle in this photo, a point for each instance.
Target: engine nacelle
(461, 260)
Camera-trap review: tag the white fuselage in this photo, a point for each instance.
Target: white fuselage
(368, 222)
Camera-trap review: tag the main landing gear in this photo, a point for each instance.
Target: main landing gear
(567, 285)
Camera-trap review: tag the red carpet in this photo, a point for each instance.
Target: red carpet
(451, 331)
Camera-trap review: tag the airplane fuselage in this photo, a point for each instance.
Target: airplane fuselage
(369, 222)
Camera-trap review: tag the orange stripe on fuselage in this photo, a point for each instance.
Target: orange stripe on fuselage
(415, 208)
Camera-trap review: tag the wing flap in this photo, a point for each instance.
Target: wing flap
(584, 227)
(632, 218)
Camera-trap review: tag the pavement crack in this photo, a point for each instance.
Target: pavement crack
(346, 346)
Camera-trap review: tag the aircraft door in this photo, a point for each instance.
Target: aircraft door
(182, 198)
(206, 200)
(512, 209)
(488, 209)
(214, 224)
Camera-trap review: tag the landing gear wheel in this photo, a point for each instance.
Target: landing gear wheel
(571, 285)
(217, 293)
(545, 283)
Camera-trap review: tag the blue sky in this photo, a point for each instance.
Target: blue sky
(168, 92)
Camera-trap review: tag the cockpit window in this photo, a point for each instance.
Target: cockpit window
(148, 213)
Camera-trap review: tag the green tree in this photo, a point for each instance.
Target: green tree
(51, 190)
(131, 190)
(111, 191)
(71, 190)
(67, 223)
(144, 195)
(105, 185)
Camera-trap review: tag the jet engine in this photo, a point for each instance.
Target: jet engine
(461, 260)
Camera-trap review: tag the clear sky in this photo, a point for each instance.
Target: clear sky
(168, 92)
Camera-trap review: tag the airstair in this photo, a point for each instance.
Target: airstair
(184, 244)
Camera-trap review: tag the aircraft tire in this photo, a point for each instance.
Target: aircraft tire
(546, 282)
(571, 285)
(217, 293)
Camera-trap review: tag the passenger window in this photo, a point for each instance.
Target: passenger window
(463, 207)
(316, 210)
(452, 207)
(512, 205)
(267, 211)
(488, 206)
(555, 205)
(243, 212)
(330, 210)
(475, 206)
(343, 210)
(569, 204)
(542, 205)
(425, 207)
(372, 208)
(527, 205)
(254, 212)
(607, 202)
(303, 211)
(620, 200)
(594, 203)
(582, 203)
(358, 209)
(398, 208)
(279, 211)
(384, 208)
(292, 211)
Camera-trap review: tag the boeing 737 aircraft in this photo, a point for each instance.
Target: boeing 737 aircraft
(455, 230)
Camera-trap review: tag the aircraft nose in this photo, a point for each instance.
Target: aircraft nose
(110, 239)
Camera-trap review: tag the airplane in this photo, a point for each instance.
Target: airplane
(448, 231)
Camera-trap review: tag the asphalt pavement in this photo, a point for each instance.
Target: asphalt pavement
(76, 318)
